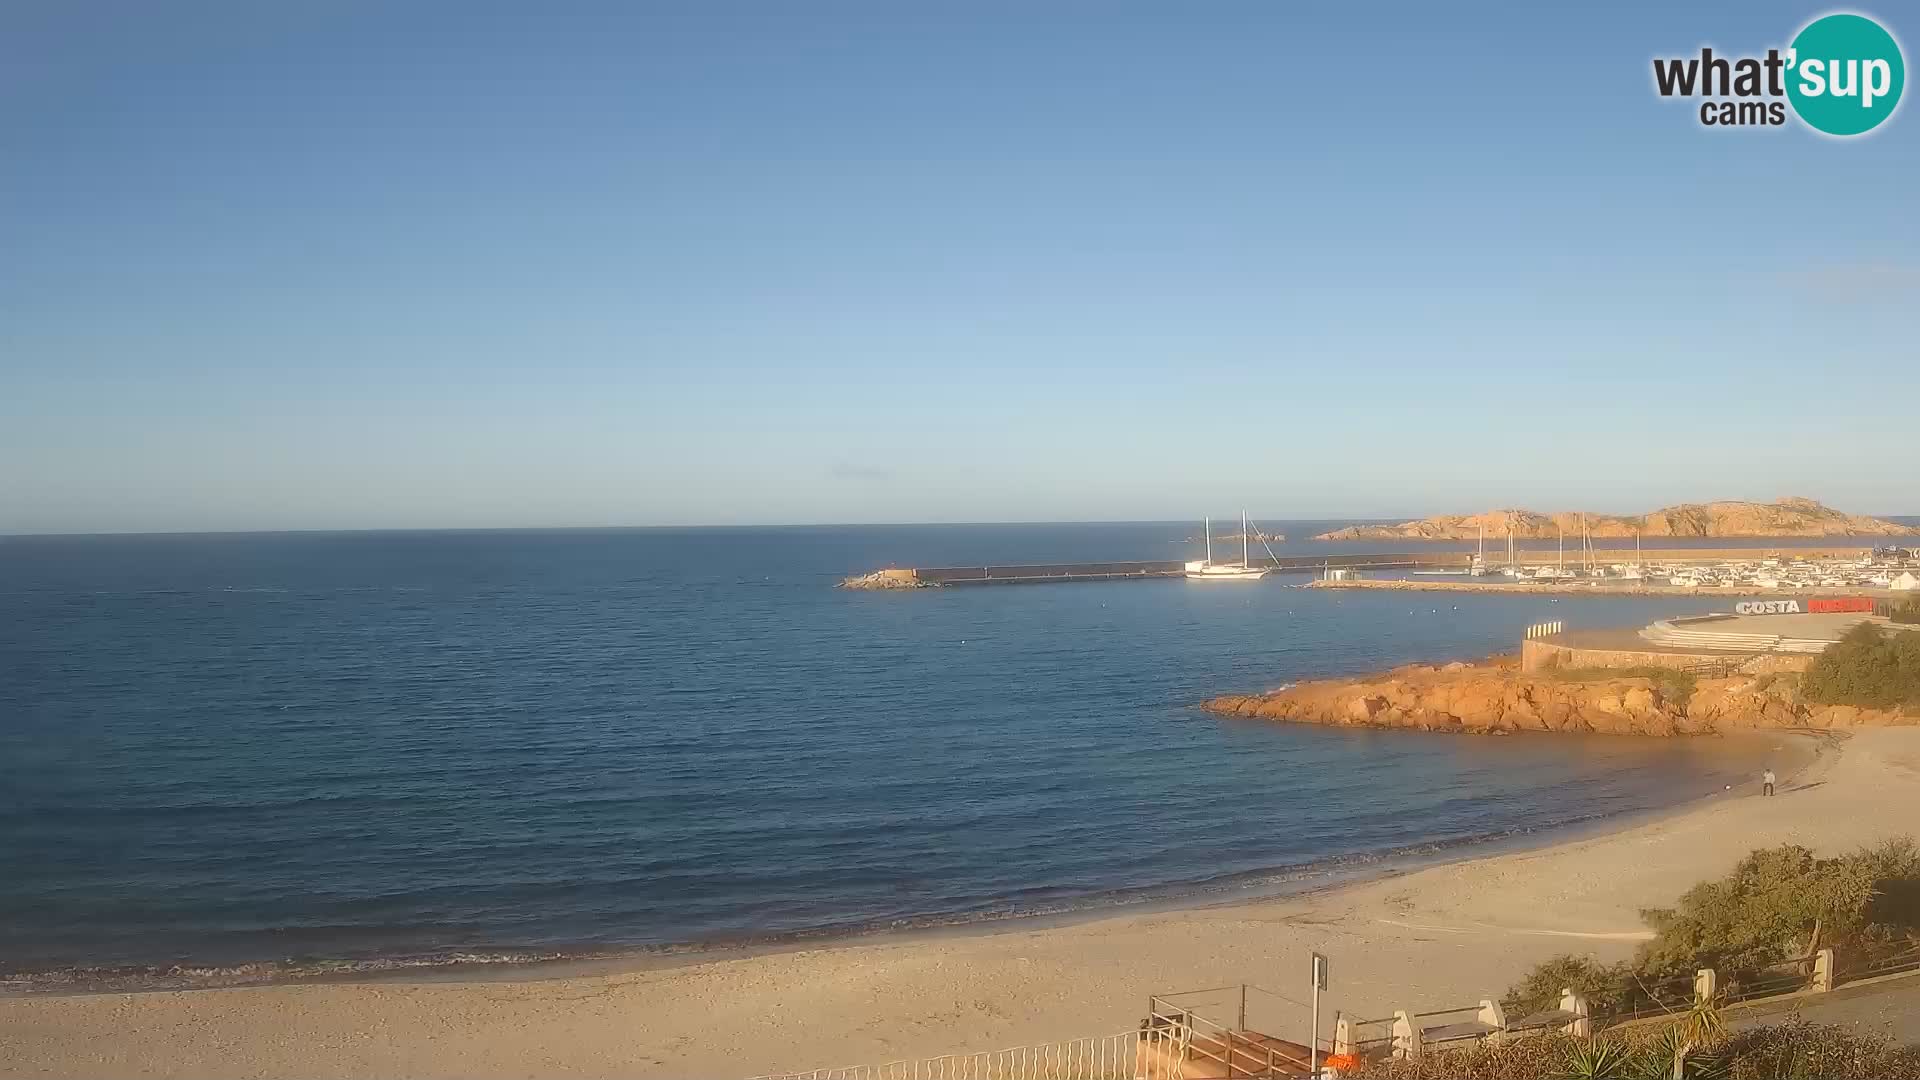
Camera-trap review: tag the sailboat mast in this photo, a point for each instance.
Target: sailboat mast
(1244, 561)
(1563, 548)
(1209, 527)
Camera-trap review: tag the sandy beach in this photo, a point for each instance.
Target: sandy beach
(1441, 936)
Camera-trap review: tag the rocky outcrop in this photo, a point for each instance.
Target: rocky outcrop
(1495, 698)
(1786, 517)
(890, 578)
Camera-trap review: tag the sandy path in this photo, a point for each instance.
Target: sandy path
(1441, 936)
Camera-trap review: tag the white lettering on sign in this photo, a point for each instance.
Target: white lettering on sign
(1767, 607)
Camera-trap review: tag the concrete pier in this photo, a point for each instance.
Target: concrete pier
(1031, 573)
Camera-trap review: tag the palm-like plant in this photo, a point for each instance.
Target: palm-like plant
(1607, 1059)
(1675, 1045)
(1703, 1023)
(1598, 1059)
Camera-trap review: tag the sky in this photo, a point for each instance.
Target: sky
(356, 265)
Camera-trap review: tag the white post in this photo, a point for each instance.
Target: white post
(1406, 1035)
(1823, 970)
(1495, 1017)
(1706, 984)
(1576, 1006)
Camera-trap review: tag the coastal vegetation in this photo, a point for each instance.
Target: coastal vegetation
(1778, 905)
(1775, 909)
(1869, 668)
(1675, 684)
(1793, 1050)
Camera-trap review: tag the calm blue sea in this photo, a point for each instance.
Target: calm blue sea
(226, 749)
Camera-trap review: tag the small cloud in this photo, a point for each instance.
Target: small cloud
(847, 470)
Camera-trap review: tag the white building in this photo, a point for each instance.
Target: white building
(1906, 580)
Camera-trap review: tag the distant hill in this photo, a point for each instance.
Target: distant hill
(1786, 517)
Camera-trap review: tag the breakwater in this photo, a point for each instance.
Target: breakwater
(1019, 574)
(1431, 559)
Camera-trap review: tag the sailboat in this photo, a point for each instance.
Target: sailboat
(1549, 573)
(1208, 570)
(1635, 572)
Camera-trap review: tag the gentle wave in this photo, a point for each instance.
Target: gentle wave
(527, 746)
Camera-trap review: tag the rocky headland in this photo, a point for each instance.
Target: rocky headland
(1494, 697)
(1785, 517)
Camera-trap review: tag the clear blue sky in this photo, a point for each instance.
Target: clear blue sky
(375, 265)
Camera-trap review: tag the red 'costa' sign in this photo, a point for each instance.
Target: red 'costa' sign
(1839, 603)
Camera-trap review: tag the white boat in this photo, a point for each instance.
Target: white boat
(1208, 570)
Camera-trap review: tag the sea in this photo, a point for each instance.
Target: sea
(297, 752)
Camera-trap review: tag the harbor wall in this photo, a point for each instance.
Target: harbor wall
(979, 575)
(1540, 654)
(1100, 571)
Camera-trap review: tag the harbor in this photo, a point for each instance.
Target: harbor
(1661, 572)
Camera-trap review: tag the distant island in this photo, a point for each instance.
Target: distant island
(1785, 517)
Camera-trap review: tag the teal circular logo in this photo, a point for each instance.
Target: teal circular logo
(1845, 74)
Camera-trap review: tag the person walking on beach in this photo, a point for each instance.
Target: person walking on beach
(1766, 781)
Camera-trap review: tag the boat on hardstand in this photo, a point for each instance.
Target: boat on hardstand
(1208, 570)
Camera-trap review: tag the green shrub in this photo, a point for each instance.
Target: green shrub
(1523, 1059)
(1791, 1051)
(1609, 987)
(1778, 904)
(1673, 683)
(1762, 913)
(1797, 1050)
(1868, 667)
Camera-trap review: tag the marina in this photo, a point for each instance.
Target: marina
(1889, 571)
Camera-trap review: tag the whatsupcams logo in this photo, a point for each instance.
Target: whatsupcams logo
(1842, 75)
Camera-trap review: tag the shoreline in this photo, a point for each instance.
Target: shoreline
(508, 963)
(1440, 934)
(1813, 748)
